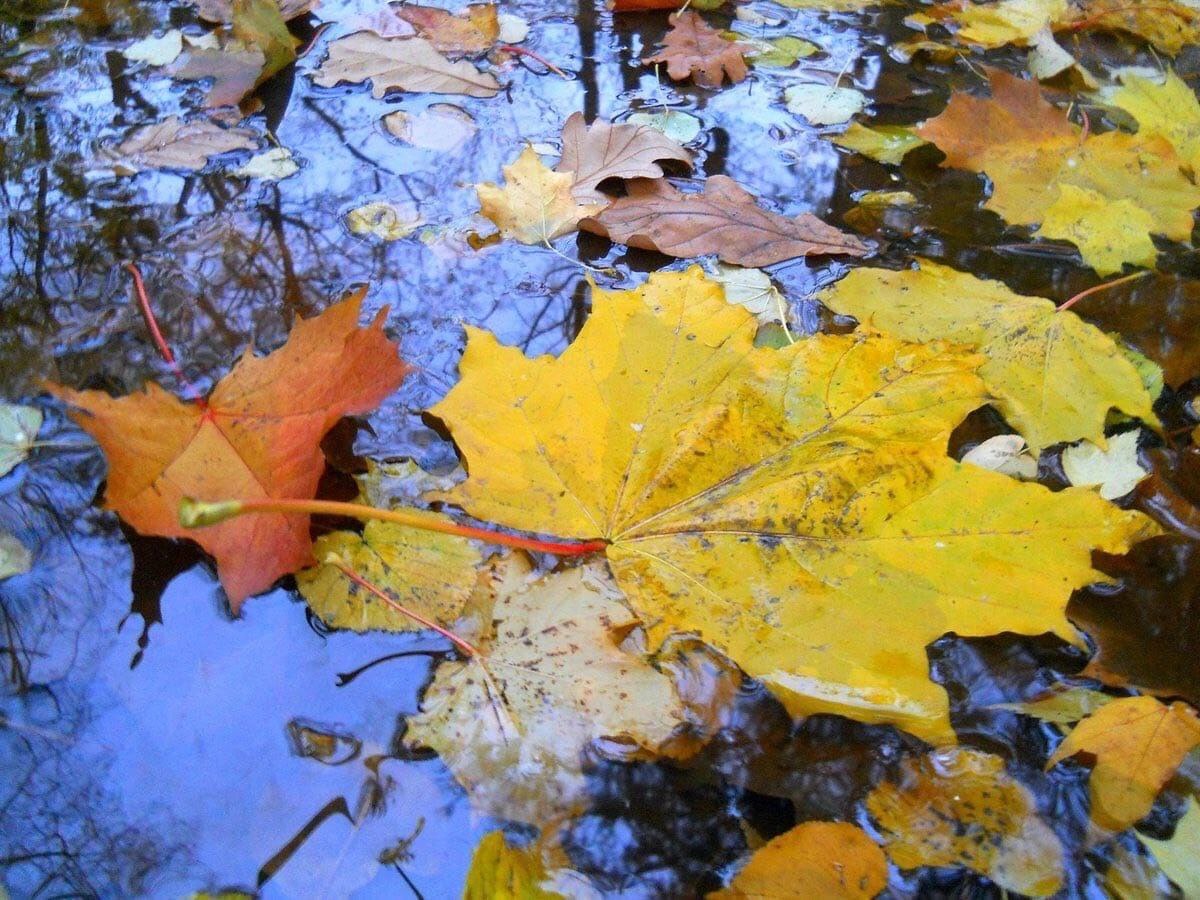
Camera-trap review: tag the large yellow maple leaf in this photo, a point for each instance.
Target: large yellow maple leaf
(1044, 170)
(793, 507)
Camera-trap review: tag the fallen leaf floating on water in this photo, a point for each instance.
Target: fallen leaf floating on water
(724, 220)
(1180, 856)
(823, 104)
(275, 164)
(1062, 707)
(1136, 743)
(833, 860)
(694, 49)
(536, 205)
(222, 10)
(961, 808)
(386, 221)
(753, 289)
(500, 871)
(404, 64)
(1054, 377)
(175, 144)
(440, 126)
(690, 463)
(1106, 193)
(551, 678)
(593, 153)
(15, 558)
(257, 436)
(233, 67)
(678, 126)
(1115, 470)
(776, 53)
(473, 31)
(19, 427)
(156, 51)
(1006, 454)
(1167, 108)
(258, 23)
(882, 143)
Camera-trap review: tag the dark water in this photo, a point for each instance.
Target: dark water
(151, 745)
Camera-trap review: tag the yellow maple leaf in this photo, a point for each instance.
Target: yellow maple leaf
(775, 501)
(960, 808)
(1108, 233)
(830, 860)
(550, 678)
(1168, 109)
(1137, 744)
(1029, 150)
(536, 204)
(1054, 377)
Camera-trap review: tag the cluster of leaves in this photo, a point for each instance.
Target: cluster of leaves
(771, 502)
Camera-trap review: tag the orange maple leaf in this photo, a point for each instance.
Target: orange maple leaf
(256, 436)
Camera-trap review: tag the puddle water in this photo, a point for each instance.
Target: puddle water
(152, 745)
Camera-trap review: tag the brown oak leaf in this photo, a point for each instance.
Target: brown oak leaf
(724, 220)
(693, 48)
(601, 151)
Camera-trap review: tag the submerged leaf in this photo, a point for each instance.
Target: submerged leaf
(440, 126)
(404, 64)
(19, 427)
(773, 501)
(675, 124)
(961, 808)
(175, 144)
(536, 205)
(386, 221)
(15, 558)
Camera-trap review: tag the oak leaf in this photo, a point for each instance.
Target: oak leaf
(724, 220)
(536, 204)
(592, 154)
(175, 144)
(960, 808)
(1042, 167)
(1054, 376)
(1136, 743)
(694, 49)
(405, 64)
(833, 860)
(256, 436)
(551, 678)
(473, 31)
(773, 501)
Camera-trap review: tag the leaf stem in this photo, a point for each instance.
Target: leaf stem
(196, 514)
(522, 51)
(1100, 287)
(160, 342)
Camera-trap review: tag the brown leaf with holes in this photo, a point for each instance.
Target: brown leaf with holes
(601, 151)
(724, 220)
(693, 48)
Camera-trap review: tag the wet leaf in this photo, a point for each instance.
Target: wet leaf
(1169, 25)
(1054, 376)
(512, 724)
(1180, 856)
(883, 143)
(693, 49)
(440, 126)
(234, 68)
(500, 871)
(822, 104)
(1006, 454)
(222, 10)
(257, 436)
(1115, 470)
(814, 859)
(275, 164)
(536, 204)
(1166, 108)
(1061, 707)
(175, 144)
(690, 463)
(960, 808)
(1135, 744)
(1107, 193)
(1134, 876)
(19, 427)
(678, 126)
(386, 221)
(404, 64)
(992, 25)
(753, 289)
(468, 33)
(724, 220)
(157, 51)
(258, 23)
(775, 53)
(15, 558)
(593, 153)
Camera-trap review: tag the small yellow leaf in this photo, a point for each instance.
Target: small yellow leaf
(829, 860)
(1137, 744)
(536, 204)
(960, 808)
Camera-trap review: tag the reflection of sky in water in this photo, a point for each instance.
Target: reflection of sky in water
(181, 767)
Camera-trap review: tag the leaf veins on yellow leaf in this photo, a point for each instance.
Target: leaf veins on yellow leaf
(775, 501)
(1137, 743)
(536, 203)
(1168, 109)
(1054, 377)
(960, 808)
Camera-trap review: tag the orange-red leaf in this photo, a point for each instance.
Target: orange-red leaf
(257, 436)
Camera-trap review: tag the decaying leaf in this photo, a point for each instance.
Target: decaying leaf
(440, 126)
(694, 49)
(222, 10)
(1005, 453)
(823, 104)
(724, 220)
(536, 204)
(404, 64)
(883, 143)
(175, 144)
(257, 436)
(1115, 470)
(19, 427)
(1100, 191)
(1180, 856)
(834, 860)
(500, 871)
(961, 808)
(592, 154)
(1136, 744)
(691, 463)
(551, 679)
(468, 33)
(15, 558)
(1054, 376)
